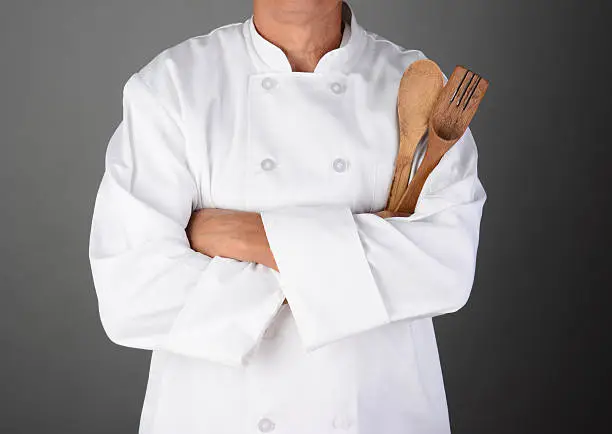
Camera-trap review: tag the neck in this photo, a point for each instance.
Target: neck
(304, 35)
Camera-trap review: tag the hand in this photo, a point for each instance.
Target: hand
(229, 233)
(232, 234)
(386, 213)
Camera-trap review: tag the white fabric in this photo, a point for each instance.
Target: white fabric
(220, 120)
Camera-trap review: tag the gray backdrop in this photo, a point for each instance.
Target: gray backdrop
(525, 355)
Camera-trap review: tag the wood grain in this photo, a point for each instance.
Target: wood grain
(418, 91)
(454, 109)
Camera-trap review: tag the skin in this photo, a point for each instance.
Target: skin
(305, 30)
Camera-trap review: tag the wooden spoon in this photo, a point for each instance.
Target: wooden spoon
(456, 106)
(419, 88)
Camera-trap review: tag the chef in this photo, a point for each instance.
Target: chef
(238, 232)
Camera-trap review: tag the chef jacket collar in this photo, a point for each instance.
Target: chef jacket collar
(341, 58)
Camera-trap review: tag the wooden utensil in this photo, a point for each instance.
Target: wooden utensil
(453, 111)
(418, 91)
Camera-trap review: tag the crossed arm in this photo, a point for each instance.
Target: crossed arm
(236, 234)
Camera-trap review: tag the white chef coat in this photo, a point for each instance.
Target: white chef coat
(220, 120)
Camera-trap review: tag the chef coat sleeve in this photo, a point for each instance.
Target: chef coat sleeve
(153, 290)
(345, 273)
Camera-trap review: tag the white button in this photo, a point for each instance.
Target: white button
(337, 87)
(268, 83)
(339, 165)
(268, 164)
(265, 425)
(342, 422)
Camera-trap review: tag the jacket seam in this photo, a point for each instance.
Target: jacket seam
(180, 124)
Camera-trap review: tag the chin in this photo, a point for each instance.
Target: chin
(295, 10)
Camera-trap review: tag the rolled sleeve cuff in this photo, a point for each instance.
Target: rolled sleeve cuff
(324, 272)
(228, 312)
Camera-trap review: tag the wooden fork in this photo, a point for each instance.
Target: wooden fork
(452, 113)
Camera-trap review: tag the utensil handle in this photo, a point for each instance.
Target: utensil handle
(419, 154)
(405, 171)
(432, 157)
(398, 184)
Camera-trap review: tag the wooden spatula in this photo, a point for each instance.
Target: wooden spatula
(419, 88)
(453, 111)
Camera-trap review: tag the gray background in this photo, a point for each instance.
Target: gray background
(529, 353)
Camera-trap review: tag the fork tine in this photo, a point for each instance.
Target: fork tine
(472, 92)
(459, 87)
(466, 88)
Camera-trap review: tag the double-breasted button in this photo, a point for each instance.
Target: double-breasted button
(268, 83)
(268, 164)
(265, 425)
(340, 164)
(337, 88)
(342, 422)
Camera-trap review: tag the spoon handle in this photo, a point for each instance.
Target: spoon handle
(401, 177)
(436, 148)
